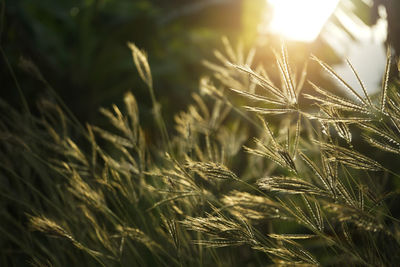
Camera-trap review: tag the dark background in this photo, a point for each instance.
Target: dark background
(80, 47)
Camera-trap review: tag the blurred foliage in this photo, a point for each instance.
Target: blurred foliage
(80, 47)
(369, 12)
(392, 10)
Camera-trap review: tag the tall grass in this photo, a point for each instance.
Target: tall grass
(251, 175)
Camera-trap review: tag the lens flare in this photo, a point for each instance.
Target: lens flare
(300, 20)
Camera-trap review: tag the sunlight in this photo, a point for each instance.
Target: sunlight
(300, 20)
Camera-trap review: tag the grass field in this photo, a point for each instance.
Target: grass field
(256, 171)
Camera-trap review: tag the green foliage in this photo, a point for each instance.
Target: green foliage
(304, 190)
(80, 46)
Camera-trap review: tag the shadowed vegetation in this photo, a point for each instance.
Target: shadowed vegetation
(259, 170)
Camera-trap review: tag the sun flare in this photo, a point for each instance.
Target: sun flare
(300, 20)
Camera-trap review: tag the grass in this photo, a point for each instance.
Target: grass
(252, 175)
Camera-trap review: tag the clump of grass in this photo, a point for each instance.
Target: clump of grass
(230, 186)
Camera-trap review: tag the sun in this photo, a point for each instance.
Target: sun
(300, 20)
